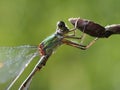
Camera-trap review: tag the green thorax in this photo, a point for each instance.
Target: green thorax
(51, 43)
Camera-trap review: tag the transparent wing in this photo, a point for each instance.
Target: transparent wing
(13, 61)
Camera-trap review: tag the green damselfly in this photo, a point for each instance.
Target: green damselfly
(20, 57)
(24, 55)
(48, 46)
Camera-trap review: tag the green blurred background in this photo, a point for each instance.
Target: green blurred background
(30, 21)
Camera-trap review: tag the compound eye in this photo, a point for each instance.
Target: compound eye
(61, 24)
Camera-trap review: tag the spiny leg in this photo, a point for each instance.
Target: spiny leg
(82, 38)
(83, 34)
(75, 27)
(73, 44)
(90, 44)
(72, 37)
(83, 47)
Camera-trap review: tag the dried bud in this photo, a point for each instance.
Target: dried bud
(89, 27)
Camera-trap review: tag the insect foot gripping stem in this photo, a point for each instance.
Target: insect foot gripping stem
(90, 44)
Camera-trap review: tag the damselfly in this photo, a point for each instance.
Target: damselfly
(20, 57)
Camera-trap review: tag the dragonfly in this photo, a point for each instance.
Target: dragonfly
(13, 60)
(94, 29)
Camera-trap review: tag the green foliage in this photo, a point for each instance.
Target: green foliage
(30, 21)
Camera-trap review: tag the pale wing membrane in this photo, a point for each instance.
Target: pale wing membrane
(13, 61)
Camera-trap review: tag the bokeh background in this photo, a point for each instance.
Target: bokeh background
(30, 21)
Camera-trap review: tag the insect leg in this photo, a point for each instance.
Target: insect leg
(83, 33)
(75, 27)
(90, 44)
(73, 44)
(82, 38)
(72, 37)
(83, 47)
